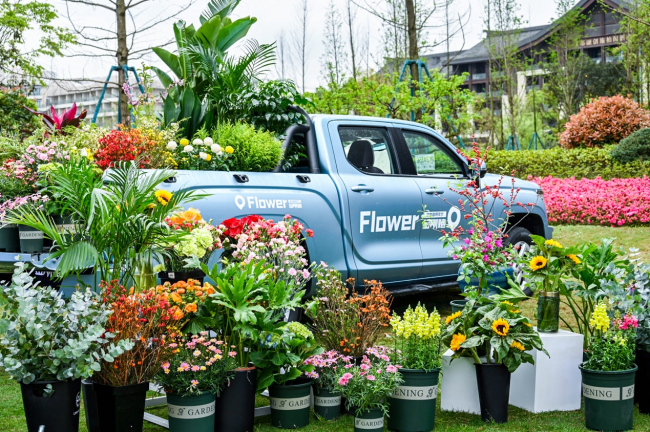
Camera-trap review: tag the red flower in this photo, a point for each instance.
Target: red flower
(310, 233)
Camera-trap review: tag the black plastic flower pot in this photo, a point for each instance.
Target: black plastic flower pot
(191, 413)
(121, 408)
(493, 392)
(173, 277)
(548, 312)
(608, 399)
(9, 238)
(235, 406)
(370, 421)
(327, 404)
(642, 381)
(412, 406)
(290, 404)
(57, 412)
(31, 240)
(90, 406)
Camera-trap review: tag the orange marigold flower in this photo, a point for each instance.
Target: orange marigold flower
(191, 308)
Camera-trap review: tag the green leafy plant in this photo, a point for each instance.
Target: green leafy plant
(635, 147)
(44, 337)
(253, 150)
(14, 119)
(417, 339)
(549, 263)
(612, 346)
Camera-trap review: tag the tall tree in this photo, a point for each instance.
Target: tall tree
(281, 65)
(18, 59)
(301, 39)
(334, 57)
(127, 39)
(351, 18)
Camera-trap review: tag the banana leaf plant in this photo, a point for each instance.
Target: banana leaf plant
(56, 122)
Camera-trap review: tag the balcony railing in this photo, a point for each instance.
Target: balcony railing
(478, 76)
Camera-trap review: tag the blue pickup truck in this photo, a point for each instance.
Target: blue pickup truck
(362, 189)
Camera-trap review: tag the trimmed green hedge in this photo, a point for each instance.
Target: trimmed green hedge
(565, 163)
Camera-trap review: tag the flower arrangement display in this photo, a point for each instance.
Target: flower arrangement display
(197, 364)
(367, 386)
(200, 154)
(417, 338)
(123, 144)
(326, 369)
(185, 299)
(613, 344)
(348, 322)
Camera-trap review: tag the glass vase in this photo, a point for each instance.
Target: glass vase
(548, 312)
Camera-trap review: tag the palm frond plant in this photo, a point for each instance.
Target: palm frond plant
(119, 218)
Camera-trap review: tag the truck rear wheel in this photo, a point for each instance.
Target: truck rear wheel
(520, 238)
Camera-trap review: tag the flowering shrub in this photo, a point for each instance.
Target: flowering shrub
(326, 369)
(603, 121)
(185, 298)
(198, 364)
(615, 202)
(368, 385)
(37, 201)
(143, 319)
(417, 338)
(612, 346)
(201, 154)
(123, 145)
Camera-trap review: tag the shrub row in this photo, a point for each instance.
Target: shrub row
(565, 163)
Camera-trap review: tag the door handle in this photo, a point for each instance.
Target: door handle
(362, 188)
(432, 191)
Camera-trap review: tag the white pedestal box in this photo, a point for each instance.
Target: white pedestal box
(459, 388)
(551, 384)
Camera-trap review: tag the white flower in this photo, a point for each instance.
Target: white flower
(198, 142)
(216, 148)
(203, 156)
(83, 152)
(219, 153)
(188, 149)
(208, 141)
(171, 145)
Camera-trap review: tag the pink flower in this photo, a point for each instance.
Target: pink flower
(232, 353)
(347, 376)
(370, 377)
(391, 369)
(196, 368)
(195, 383)
(365, 367)
(165, 365)
(292, 271)
(185, 366)
(343, 381)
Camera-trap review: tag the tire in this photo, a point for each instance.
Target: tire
(520, 238)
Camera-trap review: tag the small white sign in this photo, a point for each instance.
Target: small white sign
(425, 163)
(190, 412)
(68, 227)
(31, 235)
(171, 275)
(361, 423)
(628, 392)
(327, 401)
(290, 404)
(601, 393)
(415, 393)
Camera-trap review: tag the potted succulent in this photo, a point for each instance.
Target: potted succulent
(49, 344)
(608, 374)
(506, 336)
(198, 369)
(367, 387)
(281, 360)
(120, 388)
(412, 406)
(327, 399)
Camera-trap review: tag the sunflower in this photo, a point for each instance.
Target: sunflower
(517, 345)
(539, 262)
(500, 327)
(452, 317)
(163, 196)
(456, 340)
(574, 258)
(553, 243)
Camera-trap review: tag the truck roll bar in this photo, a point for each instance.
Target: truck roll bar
(312, 151)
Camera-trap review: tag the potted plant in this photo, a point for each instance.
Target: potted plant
(197, 370)
(608, 375)
(367, 387)
(11, 187)
(184, 253)
(412, 406)
(505, 335)
(121, 387)
(282, 363)
(31, 238)
(550, 262)
(48, 345)
(327, 399)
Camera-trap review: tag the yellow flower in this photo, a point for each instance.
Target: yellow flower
(230, 150)
(553, 243)
(539, 262)
(208, 157)
(191, 214)
(456, 340)
(500, 327)
(574, 258)
(599, 319)
(163, 196)
(453, 316)
(517, 345)
(184, 142)
(528, 324)
(507, 302)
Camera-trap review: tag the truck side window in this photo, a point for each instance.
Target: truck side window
(428, 155)
(368, 149)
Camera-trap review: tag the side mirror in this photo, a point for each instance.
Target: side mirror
(483, 169)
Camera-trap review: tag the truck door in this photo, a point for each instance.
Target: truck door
(382, 203)
(439, 169)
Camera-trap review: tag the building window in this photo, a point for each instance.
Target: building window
(479, 88)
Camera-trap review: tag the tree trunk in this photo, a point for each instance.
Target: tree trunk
(122, 60)
(413, 38)
(351, 30)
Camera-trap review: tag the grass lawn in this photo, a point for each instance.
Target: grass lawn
(12, 415)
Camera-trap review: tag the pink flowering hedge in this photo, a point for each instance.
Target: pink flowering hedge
(615, 202)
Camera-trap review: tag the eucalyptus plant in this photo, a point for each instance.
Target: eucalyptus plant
(46, 338)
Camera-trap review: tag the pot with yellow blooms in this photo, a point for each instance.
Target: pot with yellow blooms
(549, 263)
(506, 335)
(412, 405)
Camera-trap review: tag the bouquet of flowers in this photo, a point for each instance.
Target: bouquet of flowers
(201, 154)
(368, 385)
(417, 338)
(613, 344)
(185, 298)
(197, 364)
(326, 369)
(549, 263)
